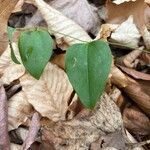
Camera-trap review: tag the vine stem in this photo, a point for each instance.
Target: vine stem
(52, 31)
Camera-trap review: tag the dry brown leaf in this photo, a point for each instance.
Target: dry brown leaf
(49, 95)
(129, 59)
(66, 31)
(18, 110)
(145, 57)
(8, 69)
(125, 10)
(79, 133)
(6, 7)
(33, 131)
(4, 138)
(70, 8)
(59, 60)
(138, 95)
(118, 78)
(136, 121)
(135, 74)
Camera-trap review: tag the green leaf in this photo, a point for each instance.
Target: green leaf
(10, 32)
(35, 49)
(88, 66)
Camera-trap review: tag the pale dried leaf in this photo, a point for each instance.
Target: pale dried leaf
(66, 31)
(122, 1)
(4, 138)
(146, 37)
(8, 69)
(49, 95)
(79, 133)
(18, 110)
(33, 131)
(6, 7)
(127, 34)
(70, 8)
(18, 6)
(15, 146)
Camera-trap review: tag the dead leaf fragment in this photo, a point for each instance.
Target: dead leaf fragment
(4, 137)
(10, 71)
(49, 95)
(6, 8)
(135, 74)
(33, 131)
(18, 110)
(127, 34)
(136, 121)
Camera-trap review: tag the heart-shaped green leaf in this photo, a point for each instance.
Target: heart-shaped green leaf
(88, 66)
(35, 49)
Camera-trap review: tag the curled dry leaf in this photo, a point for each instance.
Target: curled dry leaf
(136, 121)
(6, 7)
(137, 94)
(135, 74)
(18, 110)
(49, 95)
(129, 59)
(4, 138)
(66, 31)
(8, 69)
(79, 133)
(118, 78)
(127, 34)
(33, 131)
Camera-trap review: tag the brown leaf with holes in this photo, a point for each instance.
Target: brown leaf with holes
(4, 138)
(135, 74)
(136, 121)
(6, 8)
(33, 131)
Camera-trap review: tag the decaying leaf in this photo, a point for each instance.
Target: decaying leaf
(49, 95)
(127, 34)
(136, 121)
(18, 110)
(137, 94)
(118, 78)
(135, 74)
(6, 7)
(145, 57)
(33, 131)
(70, 8)
(4, 138)
(8, 69)
(129, 59)
(65, 30)
(79, 133)
(125, 10)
